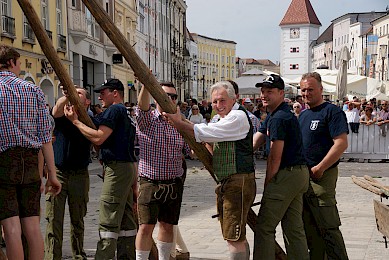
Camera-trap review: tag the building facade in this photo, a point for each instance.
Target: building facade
(216, 62)
(16, 32)
(379, 52)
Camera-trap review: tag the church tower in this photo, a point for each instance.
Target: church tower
(299, 28)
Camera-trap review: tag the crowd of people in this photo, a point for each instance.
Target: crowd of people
(303, 140)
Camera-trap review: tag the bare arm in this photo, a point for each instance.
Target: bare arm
(181, 125)
(97, 137)
(52, 184)
(333, 155)
(144, 99)
(58, 109)
(274, 159)
(258, 140)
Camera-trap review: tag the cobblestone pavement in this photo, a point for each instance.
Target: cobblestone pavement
(202, 233)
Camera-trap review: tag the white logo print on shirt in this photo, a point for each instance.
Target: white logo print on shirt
(314, 124)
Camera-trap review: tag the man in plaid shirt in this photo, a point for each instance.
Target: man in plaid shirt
(25, 129)
(160, 173)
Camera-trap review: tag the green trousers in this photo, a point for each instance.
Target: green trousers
(117, 227)
(282, 201)
(75, 189)
(321, 219)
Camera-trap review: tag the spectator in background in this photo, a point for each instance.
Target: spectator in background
(207, 118)
(345, 100)
(297, 109)
(299, 99)
(352, 114)
(383, 117)
(368, 118)
(184, 109)
(249, 106)
(195, 117)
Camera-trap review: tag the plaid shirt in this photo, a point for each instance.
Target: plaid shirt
(24, 118)
(160, 145)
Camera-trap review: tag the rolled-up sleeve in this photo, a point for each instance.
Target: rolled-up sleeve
(235, 126)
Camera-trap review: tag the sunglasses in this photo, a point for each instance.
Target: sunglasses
(172, 96)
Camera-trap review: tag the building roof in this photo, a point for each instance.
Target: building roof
(300, 12)
(214, 39)
(326, 36)
(264, 62)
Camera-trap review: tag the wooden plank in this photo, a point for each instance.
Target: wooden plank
(382, 217)
(55, 61)
(366, 185)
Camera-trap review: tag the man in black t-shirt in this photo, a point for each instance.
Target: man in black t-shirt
(324, 129)
(286, 179)
(71, 155)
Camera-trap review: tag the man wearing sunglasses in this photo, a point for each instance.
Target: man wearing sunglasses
(115, 136)
(160, 175)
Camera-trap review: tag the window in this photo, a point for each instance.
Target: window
(59, 17)
(93, 28)
(294, 66)
(73, 3)
(45, 14)
(294, 49)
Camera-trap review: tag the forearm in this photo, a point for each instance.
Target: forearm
(273, 166)
(48, 154)
(58, 109)
(91, 134)
(144, 99)
(185, 126)
(258, 140)
(332, 156)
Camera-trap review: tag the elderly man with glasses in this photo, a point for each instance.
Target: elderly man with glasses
(383, 117)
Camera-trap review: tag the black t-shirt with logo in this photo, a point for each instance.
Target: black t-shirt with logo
(319, 126)
(282, 124)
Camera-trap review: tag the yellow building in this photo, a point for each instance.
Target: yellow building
(216, 62)
(16, 32)
(125, 16)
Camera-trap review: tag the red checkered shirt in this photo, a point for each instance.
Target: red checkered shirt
(24, 118)
(160, 147)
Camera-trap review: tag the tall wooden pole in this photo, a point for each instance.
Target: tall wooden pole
(149, 81)
(55, 61)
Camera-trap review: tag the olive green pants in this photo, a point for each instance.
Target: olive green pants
(117, 225)
(75, 189)
(282, 201)
(321, 218)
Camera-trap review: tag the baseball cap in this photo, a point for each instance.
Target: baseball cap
(272, 81)
(110, 83)
(247, 100)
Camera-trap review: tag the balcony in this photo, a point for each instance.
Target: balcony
(28, 34)
(50, 34)
(8, 26)
(61, 43)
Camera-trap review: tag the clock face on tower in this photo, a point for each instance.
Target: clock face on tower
(294, 33)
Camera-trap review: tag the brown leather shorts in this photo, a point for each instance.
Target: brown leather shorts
(19, 183)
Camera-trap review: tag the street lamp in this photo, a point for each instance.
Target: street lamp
(383, 53)
(374, 60)
(203, 79)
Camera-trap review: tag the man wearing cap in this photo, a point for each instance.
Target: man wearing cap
(115, 135)
(233, 163)
(249, 106)
(286, 176)
(324, 128)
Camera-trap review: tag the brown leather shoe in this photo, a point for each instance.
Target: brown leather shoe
(182, 256)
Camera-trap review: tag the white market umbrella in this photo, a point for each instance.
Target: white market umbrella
(341, 80)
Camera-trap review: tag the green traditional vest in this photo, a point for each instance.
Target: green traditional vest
(233, 157)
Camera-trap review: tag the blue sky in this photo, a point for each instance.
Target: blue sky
(253, 24)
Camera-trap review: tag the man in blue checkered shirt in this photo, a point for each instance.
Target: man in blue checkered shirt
(25, 130)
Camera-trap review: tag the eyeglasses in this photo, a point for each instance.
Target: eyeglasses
(296, 107)
(195, 109)
(172, 96)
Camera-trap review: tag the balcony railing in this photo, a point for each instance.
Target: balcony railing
(28, 33)
(61, 42)
(8, 25)
(50, 34)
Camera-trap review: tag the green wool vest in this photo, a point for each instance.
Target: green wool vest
(234, 156)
